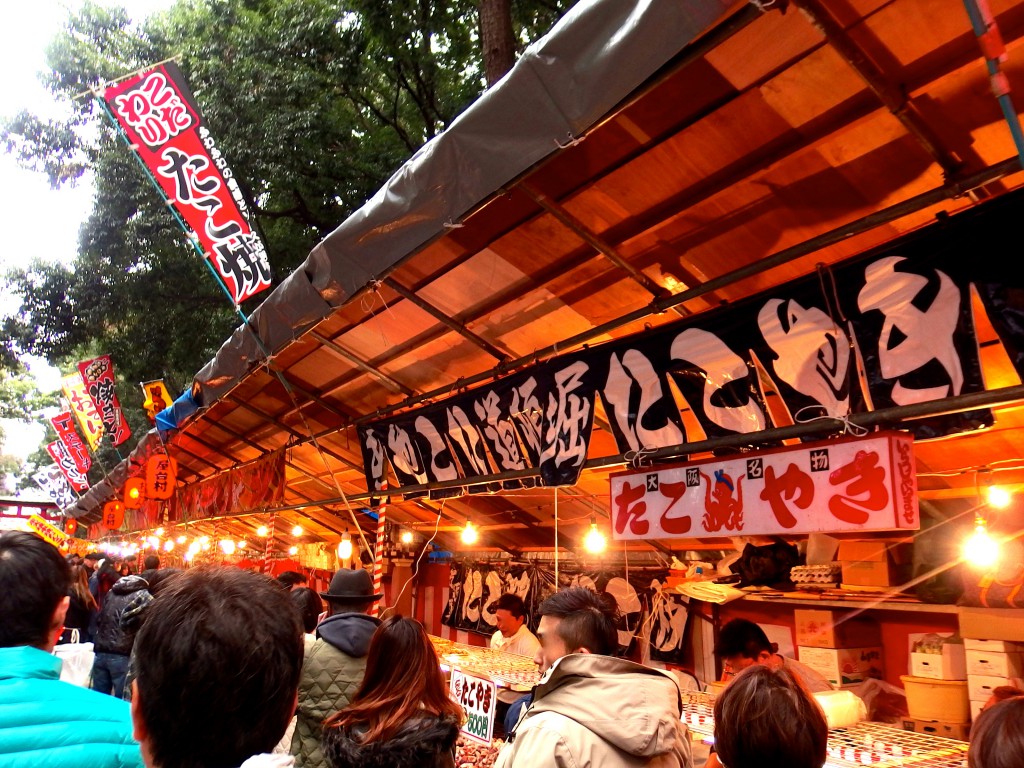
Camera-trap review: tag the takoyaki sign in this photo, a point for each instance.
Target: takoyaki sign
(862, 484)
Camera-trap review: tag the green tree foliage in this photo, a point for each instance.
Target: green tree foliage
(314, 104)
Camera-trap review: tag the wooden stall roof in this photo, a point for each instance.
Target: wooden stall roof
(781, 138)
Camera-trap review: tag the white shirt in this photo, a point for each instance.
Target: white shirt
(522, 643)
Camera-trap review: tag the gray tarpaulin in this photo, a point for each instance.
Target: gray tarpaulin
(594, 58)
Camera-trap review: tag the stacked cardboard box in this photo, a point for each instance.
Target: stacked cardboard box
(844, 651)
(994, 642)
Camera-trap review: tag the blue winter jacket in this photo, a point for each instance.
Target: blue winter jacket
(46, 723)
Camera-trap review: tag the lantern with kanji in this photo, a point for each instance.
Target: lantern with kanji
(134, 487)
(161, 474)
(113, 515)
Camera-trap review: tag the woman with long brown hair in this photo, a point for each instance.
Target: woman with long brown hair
(402, 715)
(82, 609)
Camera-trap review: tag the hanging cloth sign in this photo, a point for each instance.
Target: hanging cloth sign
(851, 484)
(157, 398)
(64, 425)
(55, 485)
(66, 464)
(98, 375)
(159, 115)
(84, 408)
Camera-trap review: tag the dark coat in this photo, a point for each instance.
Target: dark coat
(427, 742)
(110, 637)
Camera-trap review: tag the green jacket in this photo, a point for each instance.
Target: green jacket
(46, 723)
(332, 671)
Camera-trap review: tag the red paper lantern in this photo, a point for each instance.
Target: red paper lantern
(70, 526)
(133, 492)
(161, 476)
(113, 515)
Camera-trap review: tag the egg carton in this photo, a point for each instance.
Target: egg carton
(829, 573)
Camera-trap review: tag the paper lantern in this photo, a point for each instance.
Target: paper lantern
(70, 526)
(161, 475)
(134, 488)
(113, 515)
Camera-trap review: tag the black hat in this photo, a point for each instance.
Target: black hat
(351, 586)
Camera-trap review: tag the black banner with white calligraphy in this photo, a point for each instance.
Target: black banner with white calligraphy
(904, 310)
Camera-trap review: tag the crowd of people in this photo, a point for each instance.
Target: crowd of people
(227, 669)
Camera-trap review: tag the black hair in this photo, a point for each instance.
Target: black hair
(159, 580)
(309, 605)
(512, 603)
(219, 658)
(34, 578)
(765, 718)
(997, 737)
(151, 563)
(289, 579)
(740, 637)
(587, 620)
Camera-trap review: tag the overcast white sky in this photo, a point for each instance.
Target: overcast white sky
(37, 221)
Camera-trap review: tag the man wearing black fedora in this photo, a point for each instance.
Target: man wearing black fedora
(334, 662)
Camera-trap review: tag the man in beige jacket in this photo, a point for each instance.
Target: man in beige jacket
(591, 709)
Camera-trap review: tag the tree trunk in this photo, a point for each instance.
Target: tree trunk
(496, 39)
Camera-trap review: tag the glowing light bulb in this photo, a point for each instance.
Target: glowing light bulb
(981, 549)
(406, 537)
(293, 550)
(227, 546)
(243, 544)
(159, 532)
(189, 556)
(297, 530)
(134, 493)
(262, 531)
(469, 534)
(998, 497)
(153, 542)
(345, 546)
(182, 539)
(168, 545)
(595, 541)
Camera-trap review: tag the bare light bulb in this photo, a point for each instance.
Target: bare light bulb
(159, 531)
(297, 530)
(594, 542)
(293, 550)
(168, 545)
(262, 531)
(345, 547)
(981, 549)
(469, 534)
(182, 539)
(406, 537)
(998, 497)
(227, 546)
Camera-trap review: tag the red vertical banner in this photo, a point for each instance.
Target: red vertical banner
(159, 115)
(66, 464)
(64, 424)
(98, 375)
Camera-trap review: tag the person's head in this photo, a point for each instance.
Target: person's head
(742, 644)
(575, 620)
(1002, 693)
(309, 605)
(34, 580)
(125, 568)
(403, 679)
(765, 718)
(997, 737)
(91, 561)
(79, 586)
(151, 563)
(159, 580)
(218, 659)
(351, 591)
(291, 580)
(509, 613)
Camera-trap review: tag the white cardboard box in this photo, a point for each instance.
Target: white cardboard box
(951, 664)
(994, 663)
(843, 666)
(980, 687)
(999, 646)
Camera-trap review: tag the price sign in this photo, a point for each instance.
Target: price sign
(478, 696)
